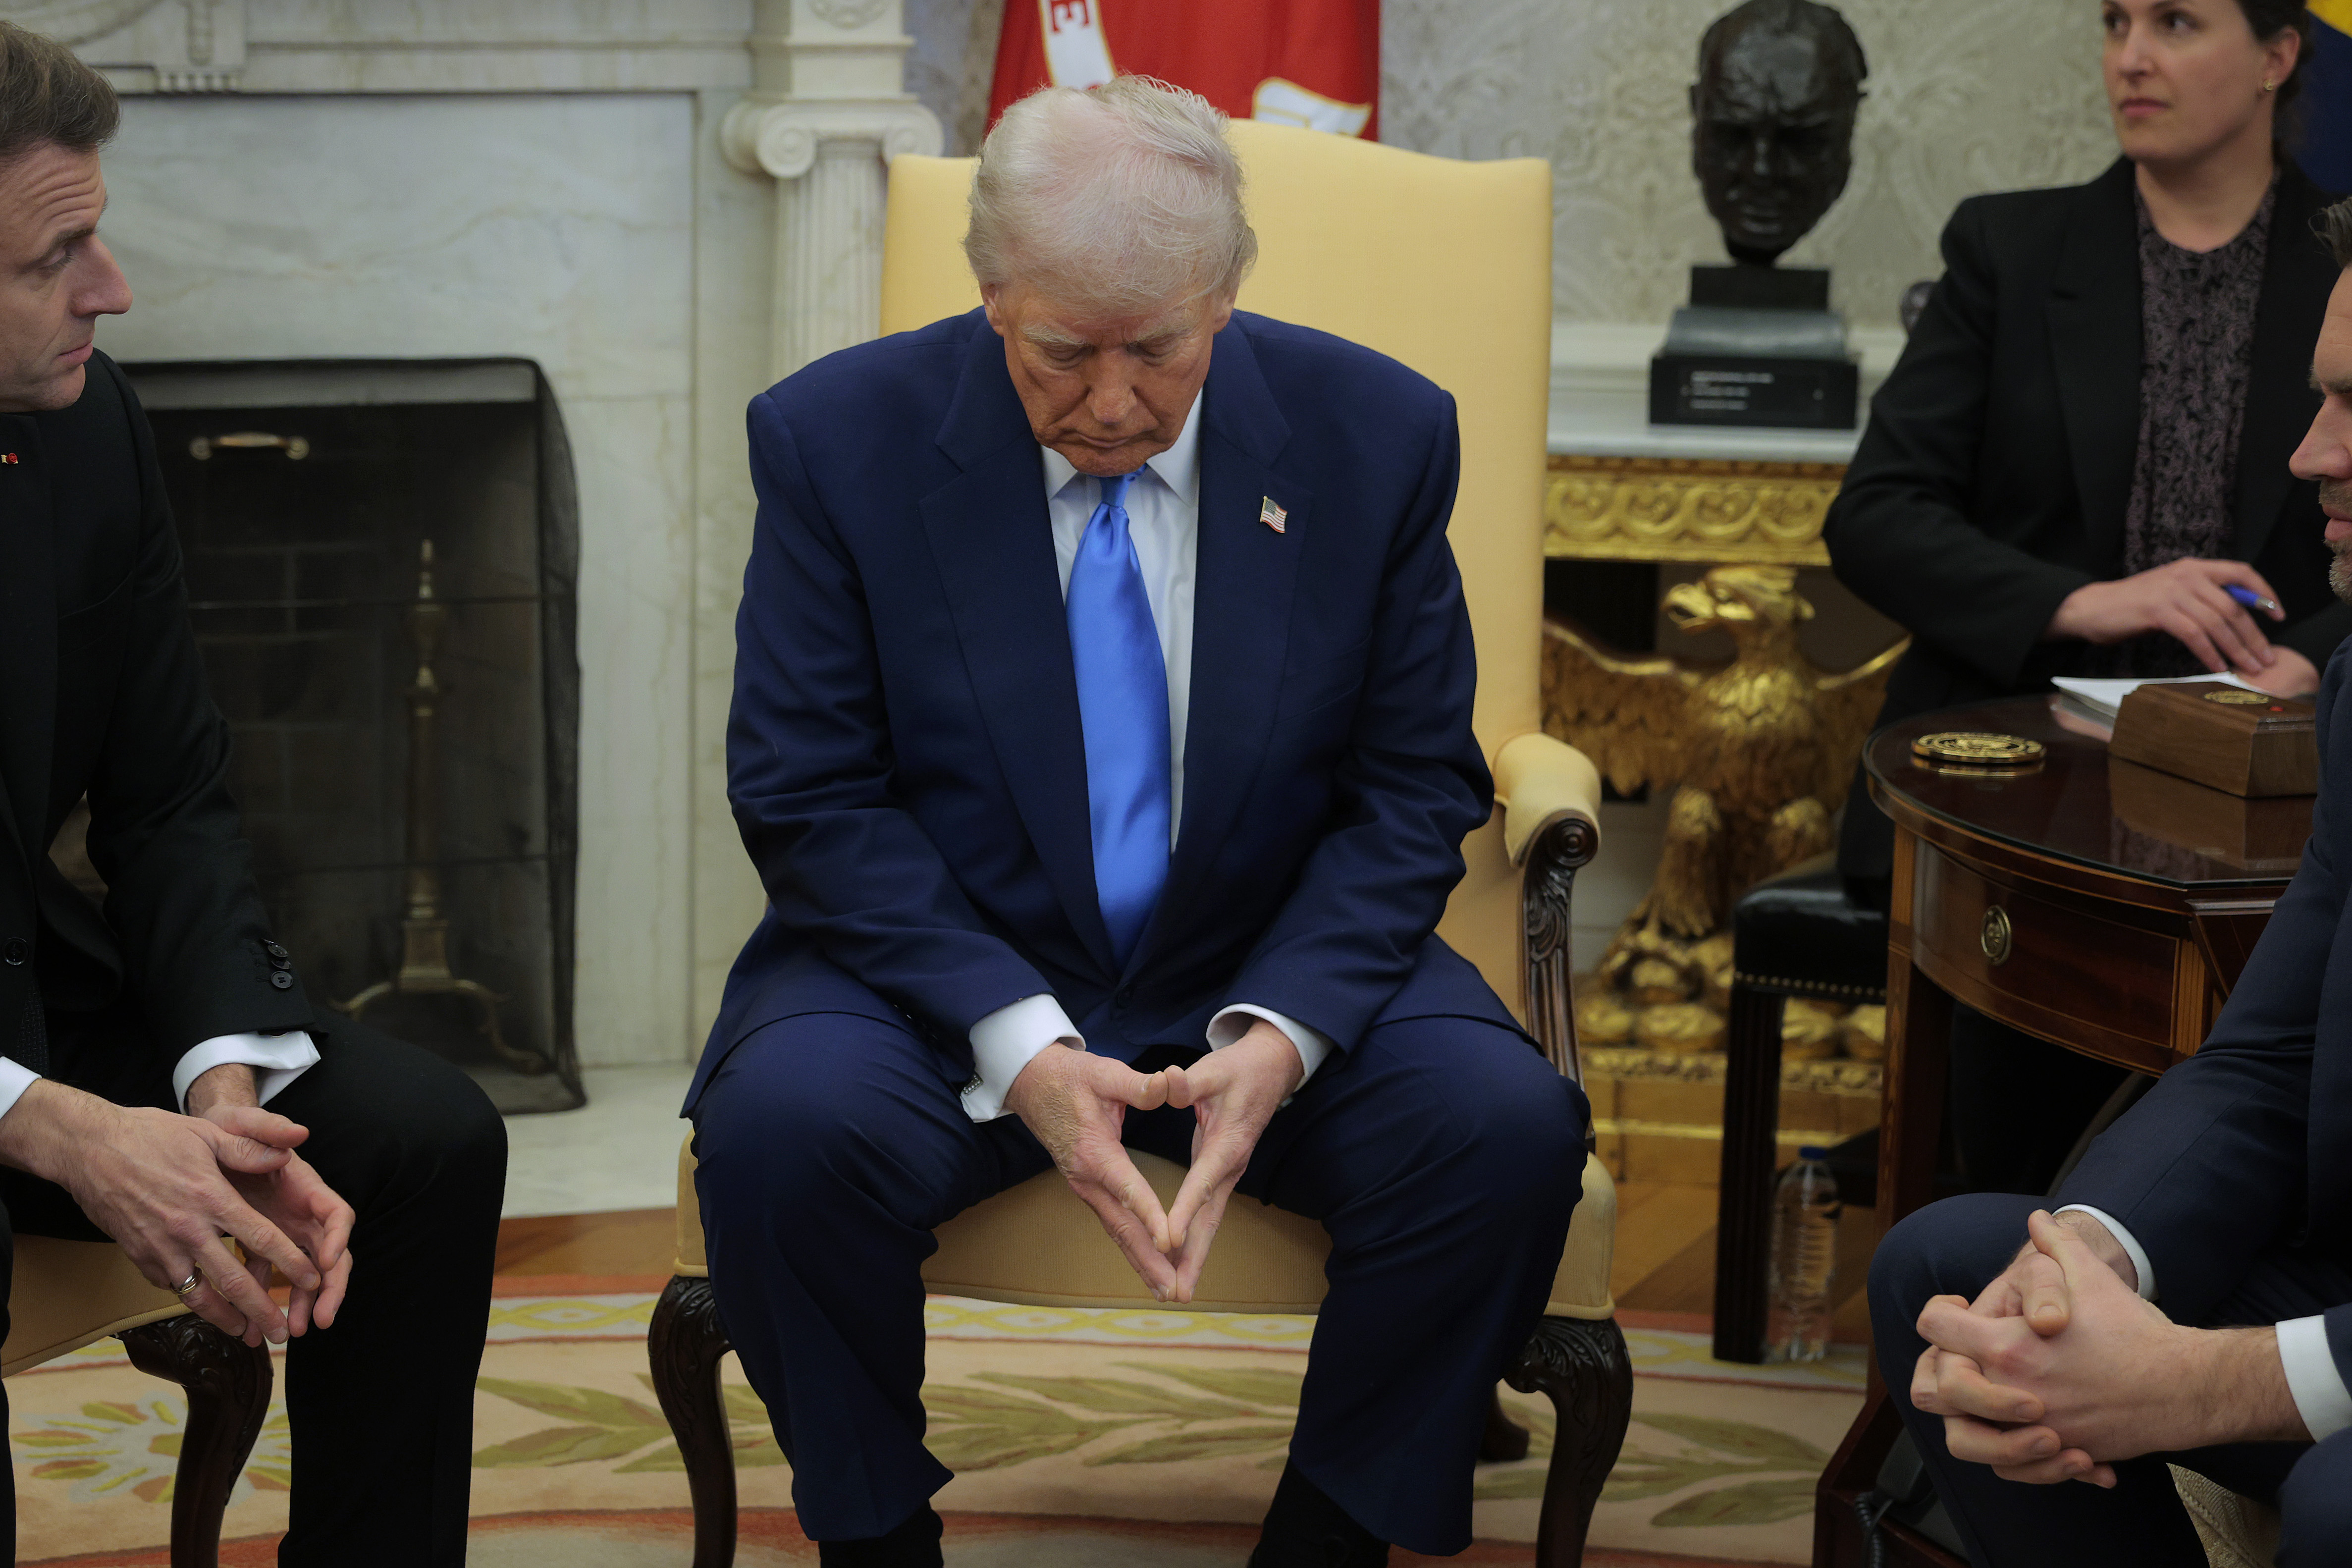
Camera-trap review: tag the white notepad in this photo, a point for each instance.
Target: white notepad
(2104, 697)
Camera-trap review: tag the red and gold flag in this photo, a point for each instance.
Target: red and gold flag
(1295, 62)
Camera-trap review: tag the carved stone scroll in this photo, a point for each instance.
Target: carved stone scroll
(824, 123)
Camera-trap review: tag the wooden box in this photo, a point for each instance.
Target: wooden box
(2264, 834)
(2238, 741)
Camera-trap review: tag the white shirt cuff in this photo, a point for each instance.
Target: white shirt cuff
(2130, 1244)
(1312, 1044)
(15, 1077)
(2320, 1396)
(1002, 1045)
(277, 1060)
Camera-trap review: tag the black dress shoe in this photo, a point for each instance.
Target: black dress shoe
(914, 1544)
(1303, 1528)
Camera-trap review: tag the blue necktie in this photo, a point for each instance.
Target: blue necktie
(1123, 710)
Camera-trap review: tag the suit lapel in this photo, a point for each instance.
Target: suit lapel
(2297, 276)
(2094, 313)
(1245, 576)
(993, 547)
(28, 637)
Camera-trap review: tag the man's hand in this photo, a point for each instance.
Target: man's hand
(1075, 1104)
(161, 1185)
(2185, 598)
(1232, 1094)
(2115, 1379)
(293, 1196)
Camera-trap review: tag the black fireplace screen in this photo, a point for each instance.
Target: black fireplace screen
(381, 560)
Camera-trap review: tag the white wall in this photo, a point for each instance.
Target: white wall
(1965, 96)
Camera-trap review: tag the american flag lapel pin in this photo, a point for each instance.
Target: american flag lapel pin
(1273, 516)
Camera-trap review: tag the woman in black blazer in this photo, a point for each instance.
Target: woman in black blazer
(2086, 442)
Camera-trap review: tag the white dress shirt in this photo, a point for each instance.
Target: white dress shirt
(2321, 1397)
(1163, 518)
(277, 1060)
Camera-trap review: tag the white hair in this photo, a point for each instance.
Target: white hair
(1125, 198)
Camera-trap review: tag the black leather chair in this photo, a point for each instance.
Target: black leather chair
(1803, 933)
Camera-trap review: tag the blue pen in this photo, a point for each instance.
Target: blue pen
(2251, 599)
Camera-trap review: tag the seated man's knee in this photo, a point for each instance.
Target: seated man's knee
(2315, 1506)
(1527, 1122)
(790, 1119)
(1954, 1248)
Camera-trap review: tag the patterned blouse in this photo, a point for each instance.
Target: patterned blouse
(2197, 346)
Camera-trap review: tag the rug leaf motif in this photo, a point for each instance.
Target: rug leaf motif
(1278, 1390)
(1212, 1443)
(1121, 1395)
(1749, 1502)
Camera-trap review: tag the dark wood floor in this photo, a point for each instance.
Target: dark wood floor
(1665, 1260)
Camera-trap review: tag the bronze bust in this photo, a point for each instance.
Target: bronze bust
(1779, 84)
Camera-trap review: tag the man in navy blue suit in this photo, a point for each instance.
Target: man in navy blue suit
(1102, 736)
(2192, 1298)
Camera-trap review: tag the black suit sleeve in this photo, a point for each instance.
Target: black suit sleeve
(163, 831)
(1899, 533)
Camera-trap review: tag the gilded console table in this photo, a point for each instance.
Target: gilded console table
(1621, 489)
(1708, 510)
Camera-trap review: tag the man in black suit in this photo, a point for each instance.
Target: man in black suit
(2192, 1297)
(142, 1039)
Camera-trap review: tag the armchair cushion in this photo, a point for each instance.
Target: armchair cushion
(66, 1294)
(1037, 1245)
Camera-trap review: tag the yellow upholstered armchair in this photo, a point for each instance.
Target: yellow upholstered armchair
(68, 1294)
(1447, 267)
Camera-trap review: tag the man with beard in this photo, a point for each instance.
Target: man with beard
(2191, 1300)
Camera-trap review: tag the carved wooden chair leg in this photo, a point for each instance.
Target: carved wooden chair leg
(1504, 1439)
(227, 1384)
(685, 1343)
(1583, 1369)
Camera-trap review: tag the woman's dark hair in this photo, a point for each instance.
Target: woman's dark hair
(2269, 18)
(48, 95)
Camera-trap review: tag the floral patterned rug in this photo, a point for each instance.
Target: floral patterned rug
(1095, 1437)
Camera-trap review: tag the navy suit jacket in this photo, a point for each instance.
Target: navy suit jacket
(904, 756)
(2247, 1146)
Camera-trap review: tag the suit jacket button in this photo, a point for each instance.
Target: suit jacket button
(283, 981)
(280, 961)
(18, 951)
(276, 951)
(1125, 997)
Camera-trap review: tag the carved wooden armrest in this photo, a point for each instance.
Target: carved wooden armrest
(1551, 797)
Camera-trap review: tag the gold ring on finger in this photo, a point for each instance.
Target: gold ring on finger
(187, 1287)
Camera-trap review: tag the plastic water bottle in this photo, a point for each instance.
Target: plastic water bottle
(1804, 1255)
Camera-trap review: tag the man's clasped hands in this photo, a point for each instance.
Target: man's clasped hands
(1075, 1104)
(2058, 1370)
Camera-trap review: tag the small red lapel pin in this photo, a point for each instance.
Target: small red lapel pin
(1273, 516)
(7, 457)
